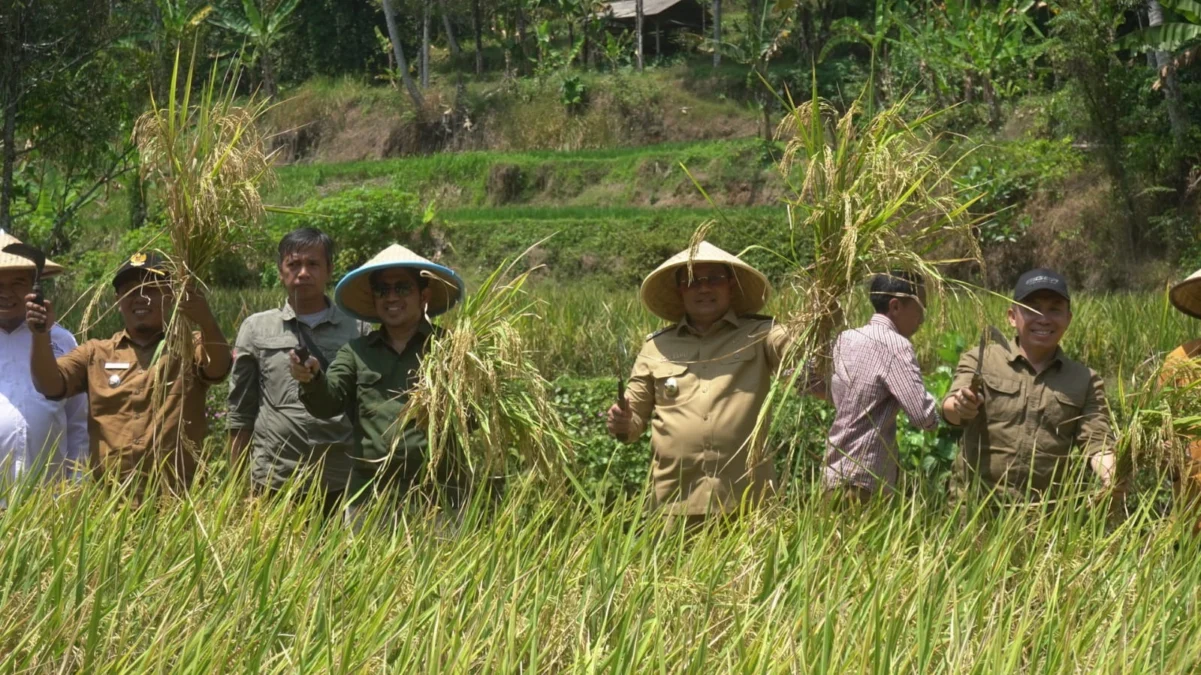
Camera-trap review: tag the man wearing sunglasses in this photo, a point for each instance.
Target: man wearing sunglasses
(369, 379)
(700, 383)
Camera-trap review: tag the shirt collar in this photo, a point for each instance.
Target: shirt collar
(883, 321)
(122, 337)
(729, 317)
(1015, 354)
(16, 331)
(379, 336)
(333, 315)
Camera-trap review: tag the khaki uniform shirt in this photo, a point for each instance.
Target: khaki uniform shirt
(129, 433)
(1029, 423)
(264, 397)
(1182, 369)
(701, 396)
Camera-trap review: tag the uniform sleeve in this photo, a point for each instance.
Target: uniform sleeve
(76, 411)
(776, 346)
(1095, 435)
(964, 372)
(244, 381)
(332, 392)
(904, 382)
(198, 358)
(640, 392)
(73, 368)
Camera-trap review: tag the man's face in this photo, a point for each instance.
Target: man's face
(305, 273)
(910, 313)
(707, 297)
(144, 304)
(398, 301)
(14, 286)
(1042, 324)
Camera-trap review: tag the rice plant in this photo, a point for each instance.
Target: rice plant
(479, 395)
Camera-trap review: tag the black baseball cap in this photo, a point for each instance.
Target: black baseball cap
(1041, 279)
(141, 265)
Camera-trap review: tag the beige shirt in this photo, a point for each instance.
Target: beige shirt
(130, 432)
(701, 396)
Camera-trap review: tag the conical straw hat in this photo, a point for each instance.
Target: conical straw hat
(9, 261)
(1186, 295)
(748, 293)
(353, 293)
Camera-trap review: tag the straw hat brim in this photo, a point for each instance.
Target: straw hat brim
(749, 293)
(8, 261)
(353, 293)
(1186, 295)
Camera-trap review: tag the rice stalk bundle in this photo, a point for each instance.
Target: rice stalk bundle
(480, 397)
(207, 162)
(868, 194)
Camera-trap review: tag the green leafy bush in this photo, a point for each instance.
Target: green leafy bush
(361, 221)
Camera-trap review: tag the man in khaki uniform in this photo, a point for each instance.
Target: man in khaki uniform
(700, 382)
(1037, 405)
(1180, 377)
(133, 434)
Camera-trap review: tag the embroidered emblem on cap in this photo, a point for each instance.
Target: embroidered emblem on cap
(137, 259)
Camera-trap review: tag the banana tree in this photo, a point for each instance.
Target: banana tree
(261, 29)
(760, 40)
(1175, 44)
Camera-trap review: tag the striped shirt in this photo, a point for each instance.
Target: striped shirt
(875, 375)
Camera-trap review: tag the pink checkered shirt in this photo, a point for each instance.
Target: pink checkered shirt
(875, 375)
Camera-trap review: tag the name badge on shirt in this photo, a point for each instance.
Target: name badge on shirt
(115, 379)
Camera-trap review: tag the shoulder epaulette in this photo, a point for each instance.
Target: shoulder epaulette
(661, 331)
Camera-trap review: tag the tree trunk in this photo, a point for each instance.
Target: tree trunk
(1167, 73)
(638, 31)
(525, 52)
(658, 40)
(10, 158)
(477, 26)
(716, 33)
(425, 44)
(401, 63)
(268, 75)
(451, 42)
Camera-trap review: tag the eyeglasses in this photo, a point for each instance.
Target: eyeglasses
(710, 280)
(401, 288)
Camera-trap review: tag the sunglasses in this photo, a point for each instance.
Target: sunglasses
(401, 288)
(710, 280)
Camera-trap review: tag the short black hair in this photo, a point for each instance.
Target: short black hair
(422, 281)
(303, 238)
(896, 284)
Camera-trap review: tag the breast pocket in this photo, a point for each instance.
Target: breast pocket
(674, 384)
(1064, 413)
(1002, 398)
(375, 400)
(278, 385)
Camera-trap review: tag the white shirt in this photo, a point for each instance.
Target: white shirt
(33, 429)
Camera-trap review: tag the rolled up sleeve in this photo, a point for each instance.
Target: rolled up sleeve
(640, 392)
(244, 382)
(1095, 436)
(904, 382)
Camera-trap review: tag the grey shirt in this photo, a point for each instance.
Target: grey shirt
(263, 396)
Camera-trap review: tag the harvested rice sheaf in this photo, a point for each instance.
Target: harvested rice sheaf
(480, 398)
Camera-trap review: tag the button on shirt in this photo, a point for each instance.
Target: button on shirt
(875, 375)
(129, 431)
(34, 430)
(264, 396)
(1029, 423)
(370, 382)
(701, 396)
